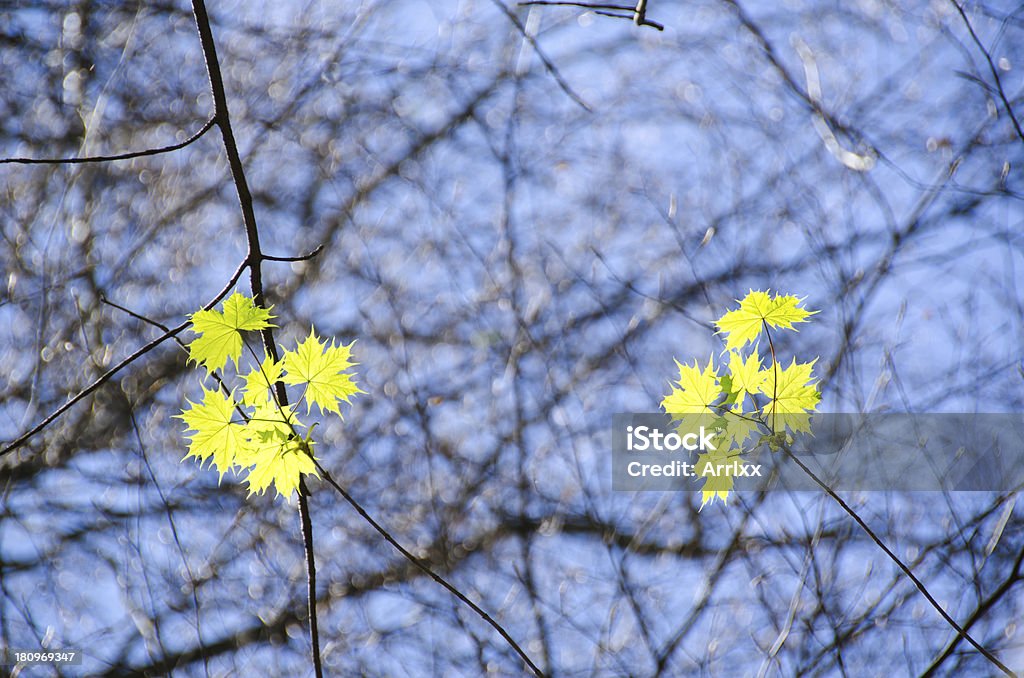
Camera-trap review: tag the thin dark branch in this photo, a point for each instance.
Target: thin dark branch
(982, 608)
(304, 257)
(992, 69)
(586, 5)
(970, 77)
(640, 16)
(255, 260)
(184, 347)
(636, 14)
(306, 527)
(137, 316)
(899, 563)
(192, 582)
(106, 376)
(613, 14)
(427, 570)
(107, 158)
(551, 68)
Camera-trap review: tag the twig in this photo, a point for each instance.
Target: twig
(871, 534)
(587, 5)
(899, 563)
(551, 68)
(306, 527)
(137, 316)
(427, 571)
(106, 376)
(194, 588)
(107, 158)
(184, 347)
(304, 257)
(992, 69)
(637, 14)
(640, 16)
(983, 607)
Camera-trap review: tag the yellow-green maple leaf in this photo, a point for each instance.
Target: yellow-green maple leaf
(220, 337)
(260, 381)
(736, 428)
(746, 376)
(271, 421)
(318, 367)
(277, 454)
(698, 390)
(792, 393)
(217, 431)
(757, 308)
(715, 486)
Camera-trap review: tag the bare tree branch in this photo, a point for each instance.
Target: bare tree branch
(109, 158)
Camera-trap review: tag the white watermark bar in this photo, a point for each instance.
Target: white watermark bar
(851, 452)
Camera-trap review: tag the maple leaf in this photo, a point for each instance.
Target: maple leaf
(793, 394)
(259, 383)
(715, 486)
(220, 332)
(217, 434)
(277, 454)
(697, 393)
(271, 422)
(319, 366)
(757, 308)
(746, 377)
(735, 429)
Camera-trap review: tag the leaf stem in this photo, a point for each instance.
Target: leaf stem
(775, 373)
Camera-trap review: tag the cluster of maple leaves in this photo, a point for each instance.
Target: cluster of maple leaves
(247, 428)
(780, 398)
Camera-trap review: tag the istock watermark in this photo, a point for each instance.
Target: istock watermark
(845, 452)
(705, 469)
(642, 438)
(652, 439)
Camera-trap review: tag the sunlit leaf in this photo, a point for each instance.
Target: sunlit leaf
(278, 454)
(697, 390)
(259, 383)
(792, 394)
(220, 332)
(757, 309)
(219, 430)
(319, 368)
